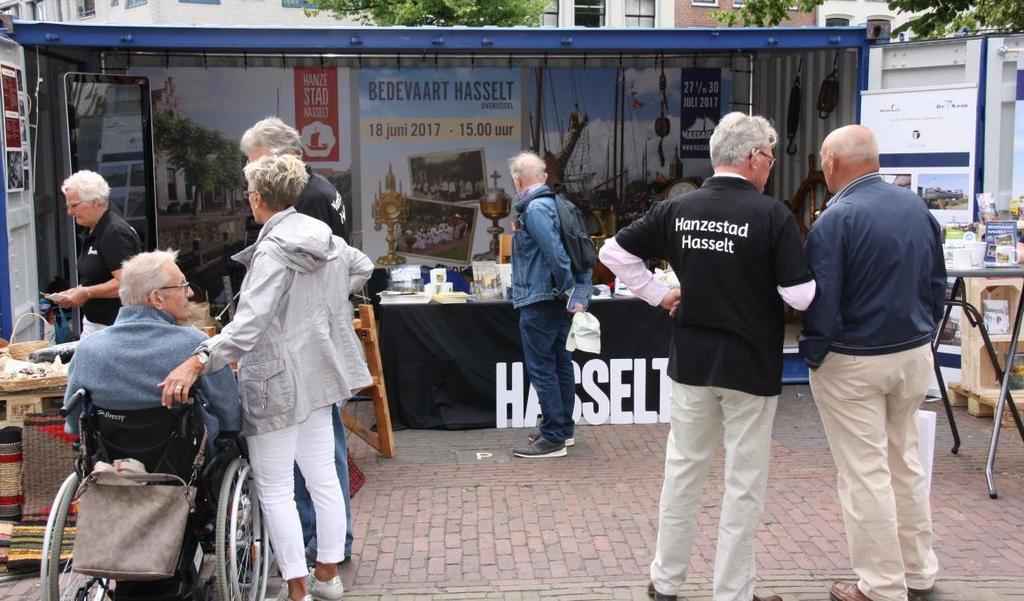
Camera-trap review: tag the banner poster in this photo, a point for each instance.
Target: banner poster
(612, 139)
(199, 116)
(702, 102)
(926, 141)
(1017, 187)
(432, 144)
(316, 113)
(15, 142)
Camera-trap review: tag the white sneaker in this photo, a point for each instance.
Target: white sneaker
(282, 595)
(330, 590)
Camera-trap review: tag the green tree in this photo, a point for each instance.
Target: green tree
(938, 18)
(208, 159)
(442, 13)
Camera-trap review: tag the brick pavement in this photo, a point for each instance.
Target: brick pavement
(455, 517)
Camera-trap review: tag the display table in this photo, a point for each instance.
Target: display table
(461, 366)
(958, 298)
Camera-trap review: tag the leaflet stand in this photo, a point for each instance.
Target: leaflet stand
(958, 298)
(383, 439)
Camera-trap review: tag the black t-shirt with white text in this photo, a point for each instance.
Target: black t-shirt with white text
(111, 242)
(730, 246)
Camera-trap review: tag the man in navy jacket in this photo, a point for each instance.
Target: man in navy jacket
(877, 259)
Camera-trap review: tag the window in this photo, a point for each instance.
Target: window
(172, 184)
(14, 10)
(639, 13)
(879, 29)
(40, 10)
(113, 2)
(589, 13)
(200, 1)
(298, 3)
(86, 8)
(837, 21)
(134, 3)
(737, 3)
(550, 16)
(704, 2)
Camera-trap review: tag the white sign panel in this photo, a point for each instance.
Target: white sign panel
(926, 142)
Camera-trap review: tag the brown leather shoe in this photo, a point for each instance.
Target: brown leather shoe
(654, 594)
(770, 598)
(846, 591)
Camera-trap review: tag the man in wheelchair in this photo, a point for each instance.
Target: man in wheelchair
(113, 402)
(122, 368)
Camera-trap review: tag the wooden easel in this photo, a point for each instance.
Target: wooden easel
(383, 440)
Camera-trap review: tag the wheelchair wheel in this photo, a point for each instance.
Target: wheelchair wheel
(57, 581)
(242, 546)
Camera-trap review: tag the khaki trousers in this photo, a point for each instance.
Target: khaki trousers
(868, 405)
(700, 416)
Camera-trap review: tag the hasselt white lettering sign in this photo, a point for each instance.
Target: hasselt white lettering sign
(609, 388)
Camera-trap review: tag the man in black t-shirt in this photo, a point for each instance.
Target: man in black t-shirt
(737, 254)
(321, 201)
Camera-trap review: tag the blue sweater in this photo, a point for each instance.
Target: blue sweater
(876, 254)
(121, 366)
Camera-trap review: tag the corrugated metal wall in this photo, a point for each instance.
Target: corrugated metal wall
(773, 77)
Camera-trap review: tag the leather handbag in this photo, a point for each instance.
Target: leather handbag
(131, 526)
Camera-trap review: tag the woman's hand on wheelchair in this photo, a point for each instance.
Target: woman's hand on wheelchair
(177, 384)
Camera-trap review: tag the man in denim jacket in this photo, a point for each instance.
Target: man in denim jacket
(542, 279)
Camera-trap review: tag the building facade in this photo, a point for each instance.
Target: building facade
(263, 13)
(697, 13)
(873, 13)
(609, 13)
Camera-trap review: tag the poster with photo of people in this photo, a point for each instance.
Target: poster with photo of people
(445, 136)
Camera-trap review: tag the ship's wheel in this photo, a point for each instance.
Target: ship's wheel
(810, 198)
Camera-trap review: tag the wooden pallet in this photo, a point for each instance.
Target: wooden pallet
(983, 402)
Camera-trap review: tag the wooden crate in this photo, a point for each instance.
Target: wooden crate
(982, 403)
(15, 405)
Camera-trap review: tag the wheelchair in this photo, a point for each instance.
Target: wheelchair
(225, 553)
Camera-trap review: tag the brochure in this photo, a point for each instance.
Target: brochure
(1001, 244)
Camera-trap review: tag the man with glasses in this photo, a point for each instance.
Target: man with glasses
(122, 365)
(738, 256)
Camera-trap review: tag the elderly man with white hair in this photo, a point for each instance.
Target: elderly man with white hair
(542, 279)
(109, 241)
(122, 365)
(738, 256)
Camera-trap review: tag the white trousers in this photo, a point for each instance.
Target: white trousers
(311, 446)
(700, 417)
(869, 406)
(89, 328)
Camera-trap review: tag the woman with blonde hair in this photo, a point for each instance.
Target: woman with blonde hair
(297, 355)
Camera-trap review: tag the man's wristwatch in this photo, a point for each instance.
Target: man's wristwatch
(203, 355)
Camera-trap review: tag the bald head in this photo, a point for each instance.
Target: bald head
(848, 153)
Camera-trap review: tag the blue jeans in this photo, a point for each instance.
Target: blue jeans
(306, 513)
(543, 327)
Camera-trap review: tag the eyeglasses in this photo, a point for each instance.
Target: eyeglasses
(249, 193)
(71, 206)
(182, 285)
(770, 157)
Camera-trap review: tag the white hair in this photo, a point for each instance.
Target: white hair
(144, 273)
(278, 178)
(89, 185)
(737, 135)
(273, 134)
(527, 167)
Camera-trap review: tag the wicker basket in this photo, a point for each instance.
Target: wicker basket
(21, 350)
(57, 381)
